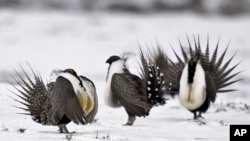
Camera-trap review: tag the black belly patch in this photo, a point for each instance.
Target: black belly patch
(64, 120)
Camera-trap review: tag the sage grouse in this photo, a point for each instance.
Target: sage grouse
(136, 94)
(198, 77)
(67, 98)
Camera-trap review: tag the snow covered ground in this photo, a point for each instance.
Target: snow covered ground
(84, 41)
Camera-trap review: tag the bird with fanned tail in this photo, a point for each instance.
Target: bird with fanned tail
(137, 94)
(199, 77)
(68, 97)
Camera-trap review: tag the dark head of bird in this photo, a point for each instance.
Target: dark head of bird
(73, 72)
(112, 59)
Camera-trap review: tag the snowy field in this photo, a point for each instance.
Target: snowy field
(84, 41)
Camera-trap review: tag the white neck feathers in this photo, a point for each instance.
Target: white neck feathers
(193, 95)
(74, 81)
(115, 67)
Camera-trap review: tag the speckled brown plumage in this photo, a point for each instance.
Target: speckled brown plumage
(54, 104)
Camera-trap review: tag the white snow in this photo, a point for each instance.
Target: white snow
(83, 41)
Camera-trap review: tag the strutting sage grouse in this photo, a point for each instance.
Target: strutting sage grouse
(67, 98)
(137, 94)
(198, 77)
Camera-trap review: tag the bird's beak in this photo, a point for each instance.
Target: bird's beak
(108, 61)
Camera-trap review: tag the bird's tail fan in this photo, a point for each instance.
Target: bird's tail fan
(32, 95)
(154, 81)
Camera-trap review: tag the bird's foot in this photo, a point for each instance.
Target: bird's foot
(131, 120)
(200, 120)
(128, 124)
(63, 129)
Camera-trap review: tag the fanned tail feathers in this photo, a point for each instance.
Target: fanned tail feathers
(153, 80)
(170, 69)
(221, 73)
(32, 95)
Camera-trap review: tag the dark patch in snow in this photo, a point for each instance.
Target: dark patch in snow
(4, 128)
(200, 121)
(223, 123)
(21, 130)
(232, 107)
(68, 136)
(105, 137)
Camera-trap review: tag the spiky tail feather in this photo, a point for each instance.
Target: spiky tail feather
(211, 62)
(154, 81)
(32, 95)
(170, 69)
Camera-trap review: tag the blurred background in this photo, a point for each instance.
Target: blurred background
(225, 7)
(82, 34)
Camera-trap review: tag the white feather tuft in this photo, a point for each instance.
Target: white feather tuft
(198, 88)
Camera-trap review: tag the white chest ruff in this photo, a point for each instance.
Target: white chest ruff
(84, 97)
(192, 96)
(116, 67)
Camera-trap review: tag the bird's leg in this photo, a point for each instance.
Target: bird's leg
(199, 119)
(195, 116)
(60, 128)
(65, 128)
(131, 119)
(199, 115)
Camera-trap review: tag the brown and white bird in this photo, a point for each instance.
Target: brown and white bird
(198, 77)
(68, 97)
(136, 94)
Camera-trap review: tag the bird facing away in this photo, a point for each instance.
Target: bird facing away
(198, 77)
(137, 94)
(67, 98)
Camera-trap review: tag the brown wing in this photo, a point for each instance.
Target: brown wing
(65, 102)
(127, 88)
(211, 88)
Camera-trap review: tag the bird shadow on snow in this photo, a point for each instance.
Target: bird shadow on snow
(49, 132)
(71, 132)
(190, 121)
